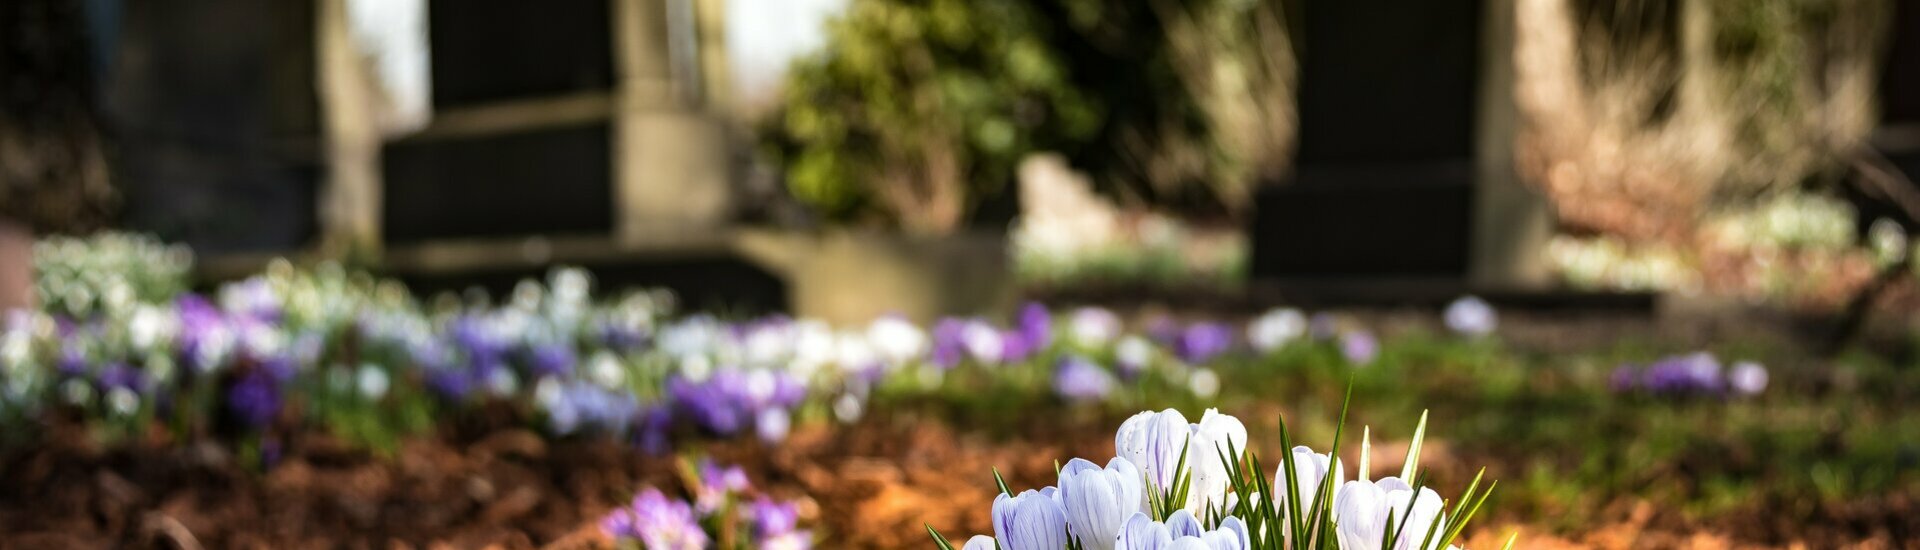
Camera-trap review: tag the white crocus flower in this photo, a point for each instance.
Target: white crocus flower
(1276, 328)
(1216, 435)
(1099, 500)
(983, 342)
(1310, 469)
(1471, 316)
(897, 340)
(1362, 508)
(1156, 441)
(1093, 327)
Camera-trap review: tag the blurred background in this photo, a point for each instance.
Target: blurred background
(747, 151)
(1671, 174)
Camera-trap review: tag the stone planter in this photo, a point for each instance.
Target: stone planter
(849, 277)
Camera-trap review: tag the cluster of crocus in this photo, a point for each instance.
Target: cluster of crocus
(1693, 374)
(732, 400)
(718, 517)
(1193, 486)
(173, 361)
(107, 271)
(351, 349)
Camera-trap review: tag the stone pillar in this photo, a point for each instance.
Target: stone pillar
(670, 157)
(1511, 222)
(351, 193)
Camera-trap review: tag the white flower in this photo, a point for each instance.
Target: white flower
(813, 347)
(1216, 436)
(847, 408)
(151, 326)
(604, 369)
(1361, 511)
(372, 381)
(982, 342)
(898, 340)
(1471, 316)
(1309, 470)
(1133, 353)
(1276, 328)
(1033, 520)
(1747, 378)
(1098, 501)
(853, 353)
(1155, 443)
(1093, 327)
(1181, 532)
(123, 401)
(1204, 382)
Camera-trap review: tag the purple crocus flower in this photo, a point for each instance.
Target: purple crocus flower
(254, 399)
(581, 405)
(1078, 379)
(708, 404)
(73, 356)
(1165, 331)
(552, 360)
(1682, 374)
(449, 384)
(1014, 346)
(473, 337)
(620, 337)
(717, 484)
(1625, 378)
(280, 368)
(1201, 342)
(776, 524)
(1359, 347)
(949, 342)
(252, 298)
(1323, 326)
(1036, 326)
(205, 336)
(657, 523)
(119, 375)
(656, 425)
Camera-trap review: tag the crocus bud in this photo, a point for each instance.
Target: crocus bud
(1030, 521)
(1098, 501)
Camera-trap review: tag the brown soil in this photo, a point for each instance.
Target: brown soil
(872, 485)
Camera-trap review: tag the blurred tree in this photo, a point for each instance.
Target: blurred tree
(53, 176)
(917, 111)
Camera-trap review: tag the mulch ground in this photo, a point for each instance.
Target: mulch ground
(871, 485)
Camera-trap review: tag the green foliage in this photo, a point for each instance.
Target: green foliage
(918, 112)
(920, 109)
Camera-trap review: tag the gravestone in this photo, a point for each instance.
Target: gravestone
(212, 110)
(1404, 168)
(571, 117)
(1899, 134)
